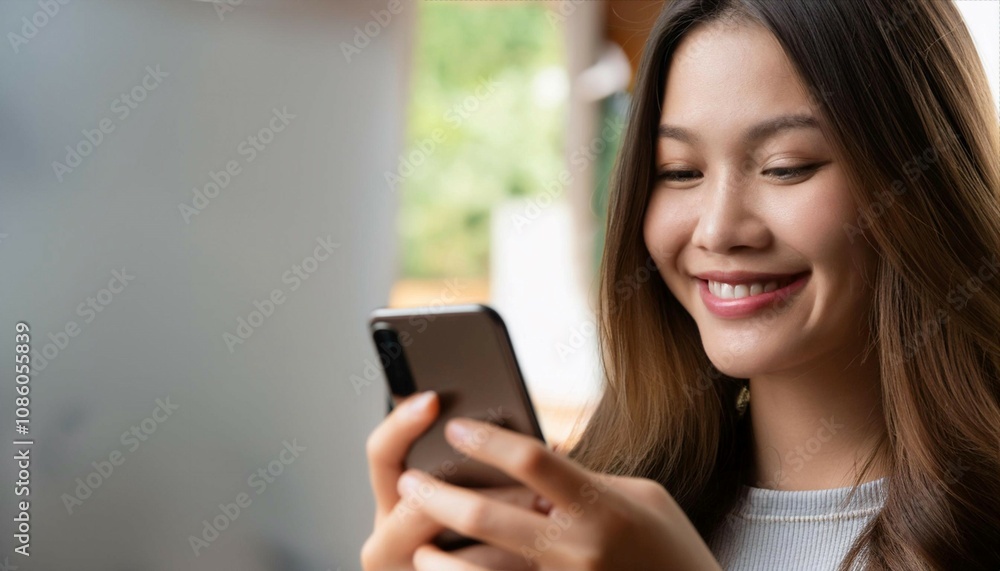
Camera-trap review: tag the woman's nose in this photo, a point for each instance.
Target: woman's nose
(729, 217)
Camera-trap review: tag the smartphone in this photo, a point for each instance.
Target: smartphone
(464, 353)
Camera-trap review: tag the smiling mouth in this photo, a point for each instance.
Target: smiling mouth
(746, 298)
(723, 290)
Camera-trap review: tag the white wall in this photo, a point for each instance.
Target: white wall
(162, 336)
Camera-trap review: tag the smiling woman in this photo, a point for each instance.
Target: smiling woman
(768, 174)
(769, 163)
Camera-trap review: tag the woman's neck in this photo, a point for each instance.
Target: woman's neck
(814, 429)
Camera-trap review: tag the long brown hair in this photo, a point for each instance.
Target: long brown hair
(905, 94)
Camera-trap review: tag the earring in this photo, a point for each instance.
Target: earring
(743, 399)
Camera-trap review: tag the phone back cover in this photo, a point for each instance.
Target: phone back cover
(463, 353)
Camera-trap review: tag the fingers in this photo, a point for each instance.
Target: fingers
(402, 530)
(519, 496)
(647, 493)
(494, 558)
(471, 513)
(430, 558)
(388, 444)
(555, 477)
(397, 535)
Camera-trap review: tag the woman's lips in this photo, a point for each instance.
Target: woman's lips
(747, 306)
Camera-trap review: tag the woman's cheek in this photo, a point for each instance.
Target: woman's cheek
(664, 231)
(811, 219)
(820, 234)
(666, 225)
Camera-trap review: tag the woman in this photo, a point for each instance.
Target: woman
(817, 184)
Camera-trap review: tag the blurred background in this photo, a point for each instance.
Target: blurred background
(202, 201)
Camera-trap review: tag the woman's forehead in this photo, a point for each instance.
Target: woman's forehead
(734, 74)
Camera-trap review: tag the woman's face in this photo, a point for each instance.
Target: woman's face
(748, 215)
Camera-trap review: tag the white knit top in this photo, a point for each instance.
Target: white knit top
(793, 530)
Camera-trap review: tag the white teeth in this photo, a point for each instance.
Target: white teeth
(726, 291)
(730, 291)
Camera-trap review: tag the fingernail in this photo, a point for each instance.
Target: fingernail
(457, 431)
(542, 505)
(418, 404)
(408, 483)
(411, 482)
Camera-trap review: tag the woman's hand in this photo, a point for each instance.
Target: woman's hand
(400, 528)
(596, 522)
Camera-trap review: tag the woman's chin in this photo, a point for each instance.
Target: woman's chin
(745, 364)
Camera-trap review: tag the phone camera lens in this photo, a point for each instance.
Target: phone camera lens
(393, 358)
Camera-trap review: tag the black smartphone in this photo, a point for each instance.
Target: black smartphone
(464, 353)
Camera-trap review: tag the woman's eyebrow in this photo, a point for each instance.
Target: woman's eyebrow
(754, 134)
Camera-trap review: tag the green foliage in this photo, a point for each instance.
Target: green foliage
(476, 132)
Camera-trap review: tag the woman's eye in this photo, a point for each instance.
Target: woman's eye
(788, 173)
(780, 173)
(676, 176)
